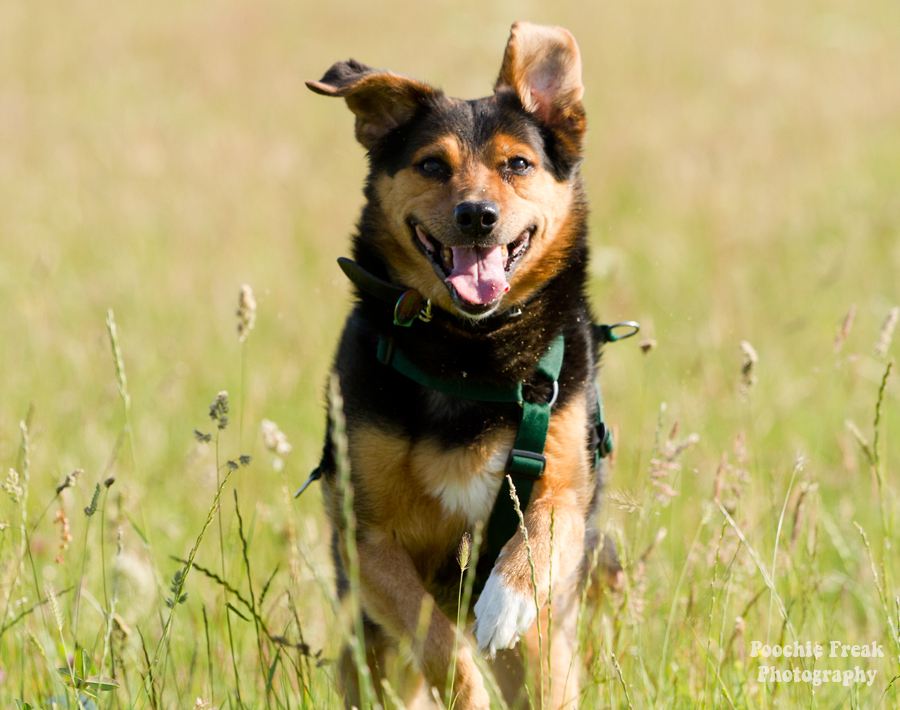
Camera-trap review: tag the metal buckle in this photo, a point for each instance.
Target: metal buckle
(634, 325)
(526, 455)
(552, 399)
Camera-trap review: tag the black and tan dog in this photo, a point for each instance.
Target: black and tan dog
(471, 325)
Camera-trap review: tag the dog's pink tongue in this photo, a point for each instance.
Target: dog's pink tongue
(478, 274)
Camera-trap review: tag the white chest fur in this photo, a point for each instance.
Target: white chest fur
(471, 494)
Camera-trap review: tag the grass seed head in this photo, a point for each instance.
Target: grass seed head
(54, 605)
(92, 508)
(624, 500)
(177, 588)
(12, 487)
(748, 368)
(887, 332)
(218, 410)
(465, 549)
(70, 480)
(246, 312)
(276, 442)
(65, 535)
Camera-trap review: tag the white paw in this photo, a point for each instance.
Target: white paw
(501, 616)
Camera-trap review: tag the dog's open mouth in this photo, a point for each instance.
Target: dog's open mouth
(478, 276)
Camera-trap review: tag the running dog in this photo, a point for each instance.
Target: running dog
(467, 368)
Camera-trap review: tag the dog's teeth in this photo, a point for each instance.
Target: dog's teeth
(448, 257)
(424, 239)
(504, 251)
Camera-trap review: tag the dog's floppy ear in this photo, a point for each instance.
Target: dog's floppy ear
(543, 66)
(381, 100)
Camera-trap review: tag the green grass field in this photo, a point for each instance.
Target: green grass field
(743, 168)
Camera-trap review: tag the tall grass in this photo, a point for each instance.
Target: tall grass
(625, 633)
(743, 167)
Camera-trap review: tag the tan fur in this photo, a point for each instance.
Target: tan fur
(396, 481)
(561, 669)
(537, 199)
(563, 494)
(393, 596)
(404, 534)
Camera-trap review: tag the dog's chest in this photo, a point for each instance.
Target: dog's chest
(465, 481)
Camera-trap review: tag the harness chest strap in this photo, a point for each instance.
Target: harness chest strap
(526, 460)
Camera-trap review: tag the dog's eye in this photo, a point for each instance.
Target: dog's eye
(433, 167)
(518, 164)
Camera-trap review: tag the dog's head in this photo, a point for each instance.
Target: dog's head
(473, 203)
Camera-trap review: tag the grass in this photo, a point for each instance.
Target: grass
(743, 168)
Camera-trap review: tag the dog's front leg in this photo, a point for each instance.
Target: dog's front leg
(519, 584)
(393, 595)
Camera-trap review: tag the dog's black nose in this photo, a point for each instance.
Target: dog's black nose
(476, 218)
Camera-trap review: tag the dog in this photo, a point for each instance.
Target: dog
(470, 353)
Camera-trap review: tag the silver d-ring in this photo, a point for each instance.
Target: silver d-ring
(555, 393)
(634, 325)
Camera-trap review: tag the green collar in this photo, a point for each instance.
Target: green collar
(408, 303)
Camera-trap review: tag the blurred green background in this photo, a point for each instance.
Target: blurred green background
(742, 164)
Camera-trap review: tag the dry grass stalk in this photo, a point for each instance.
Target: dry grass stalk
(65, 535)
(666, 464)
(805, 489)
(276, 442)
(844, 330)
(887, 332)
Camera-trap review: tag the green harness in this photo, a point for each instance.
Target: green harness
(526, 461)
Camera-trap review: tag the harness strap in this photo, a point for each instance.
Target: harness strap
(526, 462)
(459, 387)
